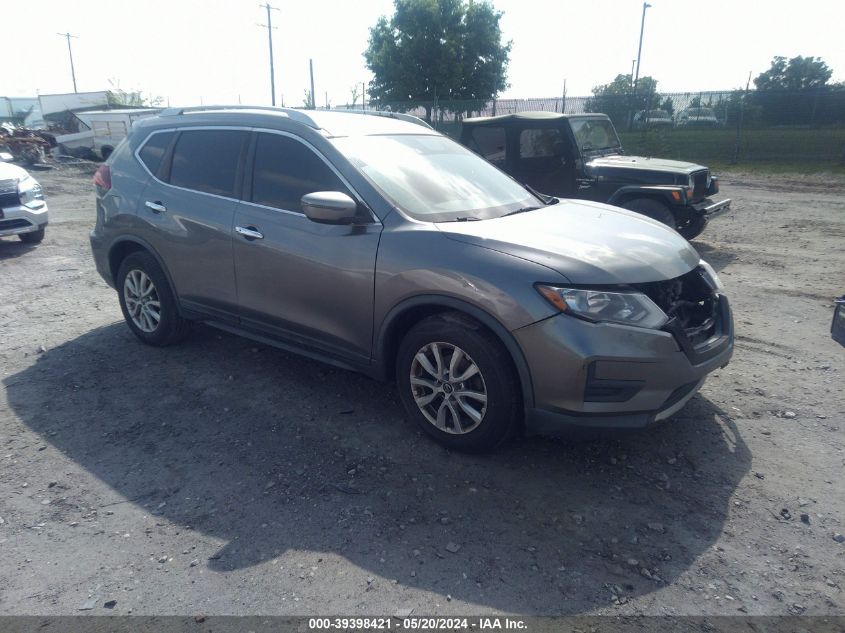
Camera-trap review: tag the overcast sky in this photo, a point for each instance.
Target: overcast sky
(214, 51)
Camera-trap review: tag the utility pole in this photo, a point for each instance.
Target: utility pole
(363, 96)
(313, 96)
(67, 36)
(270, 28)
(646, 5)
(633, 63)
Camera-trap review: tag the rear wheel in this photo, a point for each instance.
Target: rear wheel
(651, 208)
(457, 382)
(35, 237)
(147, 301)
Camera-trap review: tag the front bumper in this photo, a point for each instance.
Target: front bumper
(604, 375)
(711, 209)
(22, 219)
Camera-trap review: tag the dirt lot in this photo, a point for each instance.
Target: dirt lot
(225, 477)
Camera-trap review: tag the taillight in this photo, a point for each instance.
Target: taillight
(102, 178)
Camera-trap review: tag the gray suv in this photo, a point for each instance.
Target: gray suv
(376, 244)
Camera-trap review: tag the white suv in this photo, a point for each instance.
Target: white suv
(23, 211)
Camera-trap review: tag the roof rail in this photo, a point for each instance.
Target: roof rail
(401, 116)
(296, 115)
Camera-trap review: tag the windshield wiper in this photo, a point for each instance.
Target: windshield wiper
(522, 210)
(547, 200)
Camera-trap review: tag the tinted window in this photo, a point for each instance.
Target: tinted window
(541, 143)
(207, 160)
(285, 170)
(153, 150)
(489, 142)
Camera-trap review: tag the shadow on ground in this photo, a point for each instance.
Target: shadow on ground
(271, 452)
(11, 247)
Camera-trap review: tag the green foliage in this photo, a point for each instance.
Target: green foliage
(799, 73)
(798, 91)
(620, 101)
(308, 100)
(118, 97)
(437, 50)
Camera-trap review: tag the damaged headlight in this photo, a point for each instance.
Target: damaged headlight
(30, 192)
(627, 308)
(710, 276)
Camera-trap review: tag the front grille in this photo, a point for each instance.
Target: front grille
(701, 181)
(17, 223)
(690, 304)
(9, 193)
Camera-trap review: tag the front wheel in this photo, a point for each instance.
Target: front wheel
(457, 382)
(148, 302)
(651, 208)
(36, 237)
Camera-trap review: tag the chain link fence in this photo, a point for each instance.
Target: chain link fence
(801, 129)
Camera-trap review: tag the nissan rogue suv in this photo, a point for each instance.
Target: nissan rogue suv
(377, 244)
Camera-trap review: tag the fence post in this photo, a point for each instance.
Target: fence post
(739, 121)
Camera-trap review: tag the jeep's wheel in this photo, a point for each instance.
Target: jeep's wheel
(693, 228)
(147, 301)
(457, 382)
(651, 208)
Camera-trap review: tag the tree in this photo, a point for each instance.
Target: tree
(116, 96)
(437, 50)
(620, 101)
(799, 73)
(308, 100)
(796, 91)
(355, 92)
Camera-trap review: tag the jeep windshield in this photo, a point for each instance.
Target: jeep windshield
(595, 135)
(433, 179)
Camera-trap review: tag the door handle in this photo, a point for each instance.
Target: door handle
(156, 207)
(249, 232)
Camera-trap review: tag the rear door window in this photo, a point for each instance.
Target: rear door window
(541, 143)
(489, 142)
(208, 161)
(285, 170)
(152, 153)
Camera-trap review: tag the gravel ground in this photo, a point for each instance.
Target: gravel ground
(225, 477)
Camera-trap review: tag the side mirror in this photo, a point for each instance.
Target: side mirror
(329, 207)
(837, 328)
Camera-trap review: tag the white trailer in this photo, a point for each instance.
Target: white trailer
(109, 127)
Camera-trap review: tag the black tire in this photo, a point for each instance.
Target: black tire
(171, 327)
(106, 151)
(693, 228)
(651, 208)
(36, 237)
(501, 418)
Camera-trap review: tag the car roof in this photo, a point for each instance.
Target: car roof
(330, 123)
(535, 115)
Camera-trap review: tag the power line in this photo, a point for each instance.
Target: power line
(270, 28)
(67, 36)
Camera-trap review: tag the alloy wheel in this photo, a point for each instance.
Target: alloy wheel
(142, 301)
(448, 388)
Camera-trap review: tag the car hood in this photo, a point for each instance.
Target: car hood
(643, 162)
(586, 242)
(12, 172)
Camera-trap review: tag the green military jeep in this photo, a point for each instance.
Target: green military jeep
(580, 156)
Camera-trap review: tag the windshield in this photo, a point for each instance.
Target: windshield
(434, 179)
(594, 134)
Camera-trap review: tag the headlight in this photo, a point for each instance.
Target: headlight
(30, 191)
(628, 308)
(710, 276)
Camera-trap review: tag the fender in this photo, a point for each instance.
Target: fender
(662, 192)
(384, 335)
(152, 251)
